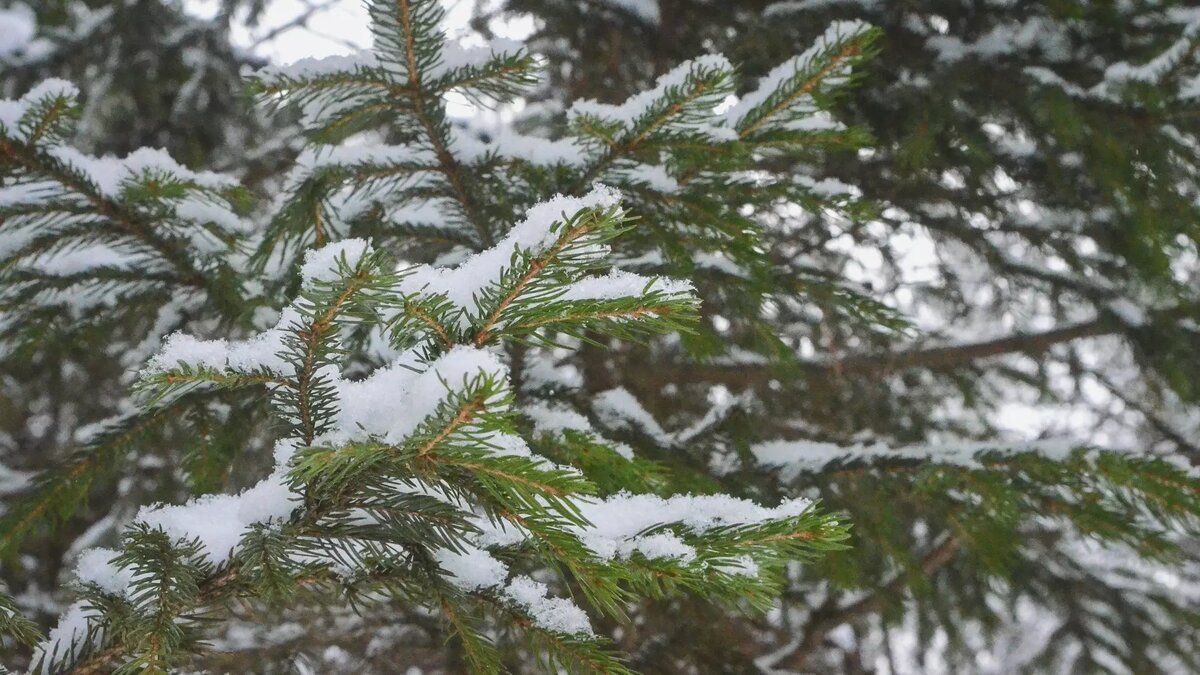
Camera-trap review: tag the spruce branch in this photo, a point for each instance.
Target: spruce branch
(403, 477)
(57, 493)
(36, 162)
(837, 55)
(15, 626)
(218, 585)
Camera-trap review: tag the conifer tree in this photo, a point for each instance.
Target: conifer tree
(1032, 172)
(148, 74)
(449, 382)
(412, 471)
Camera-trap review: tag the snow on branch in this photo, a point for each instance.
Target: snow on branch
(681, 101)
(26, 118)
(789, 96)
(541, 229)
(83, 236)
(404, 465)
(1154, 70)
(795, 457)
(1117, 78)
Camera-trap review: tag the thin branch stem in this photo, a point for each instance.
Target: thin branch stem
(824, 620)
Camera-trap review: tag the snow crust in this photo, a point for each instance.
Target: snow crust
(630, 111)
(260, 352)
(349, 155)
(617, 523)
(1049, 37)
(205, 211)
(318, 67)
(477, 570)
(96, 566)
(211, 519)
(77, 260)
(1118, 75)
(456, 56)
(555, 614)
(265, 350)
(534, 235)
(549, 419)
(473, 569)
(546, 418)
(509, 144)
(1153, 70)
(108, 173)
(621, 284)
(11, 111)
(795, 457)
(777, 76)
(393, 401)
(620, 409)
(653, 176)
(324, 264)
(69, 637)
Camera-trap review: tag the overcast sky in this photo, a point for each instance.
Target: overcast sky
(339, 27)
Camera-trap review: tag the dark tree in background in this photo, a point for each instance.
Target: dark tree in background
(1033, 169)
(930, 316)
(151, 76)
(1033, 160)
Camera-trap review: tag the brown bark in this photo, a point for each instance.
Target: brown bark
(743, 376)
(824, 620)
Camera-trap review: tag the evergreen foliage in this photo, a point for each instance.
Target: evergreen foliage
(437, 393)
(1032, 166)
(409, 484)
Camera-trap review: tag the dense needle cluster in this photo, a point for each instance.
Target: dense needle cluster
(402, 470)
(531, 390)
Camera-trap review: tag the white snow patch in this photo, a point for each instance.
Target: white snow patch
(325, 264)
